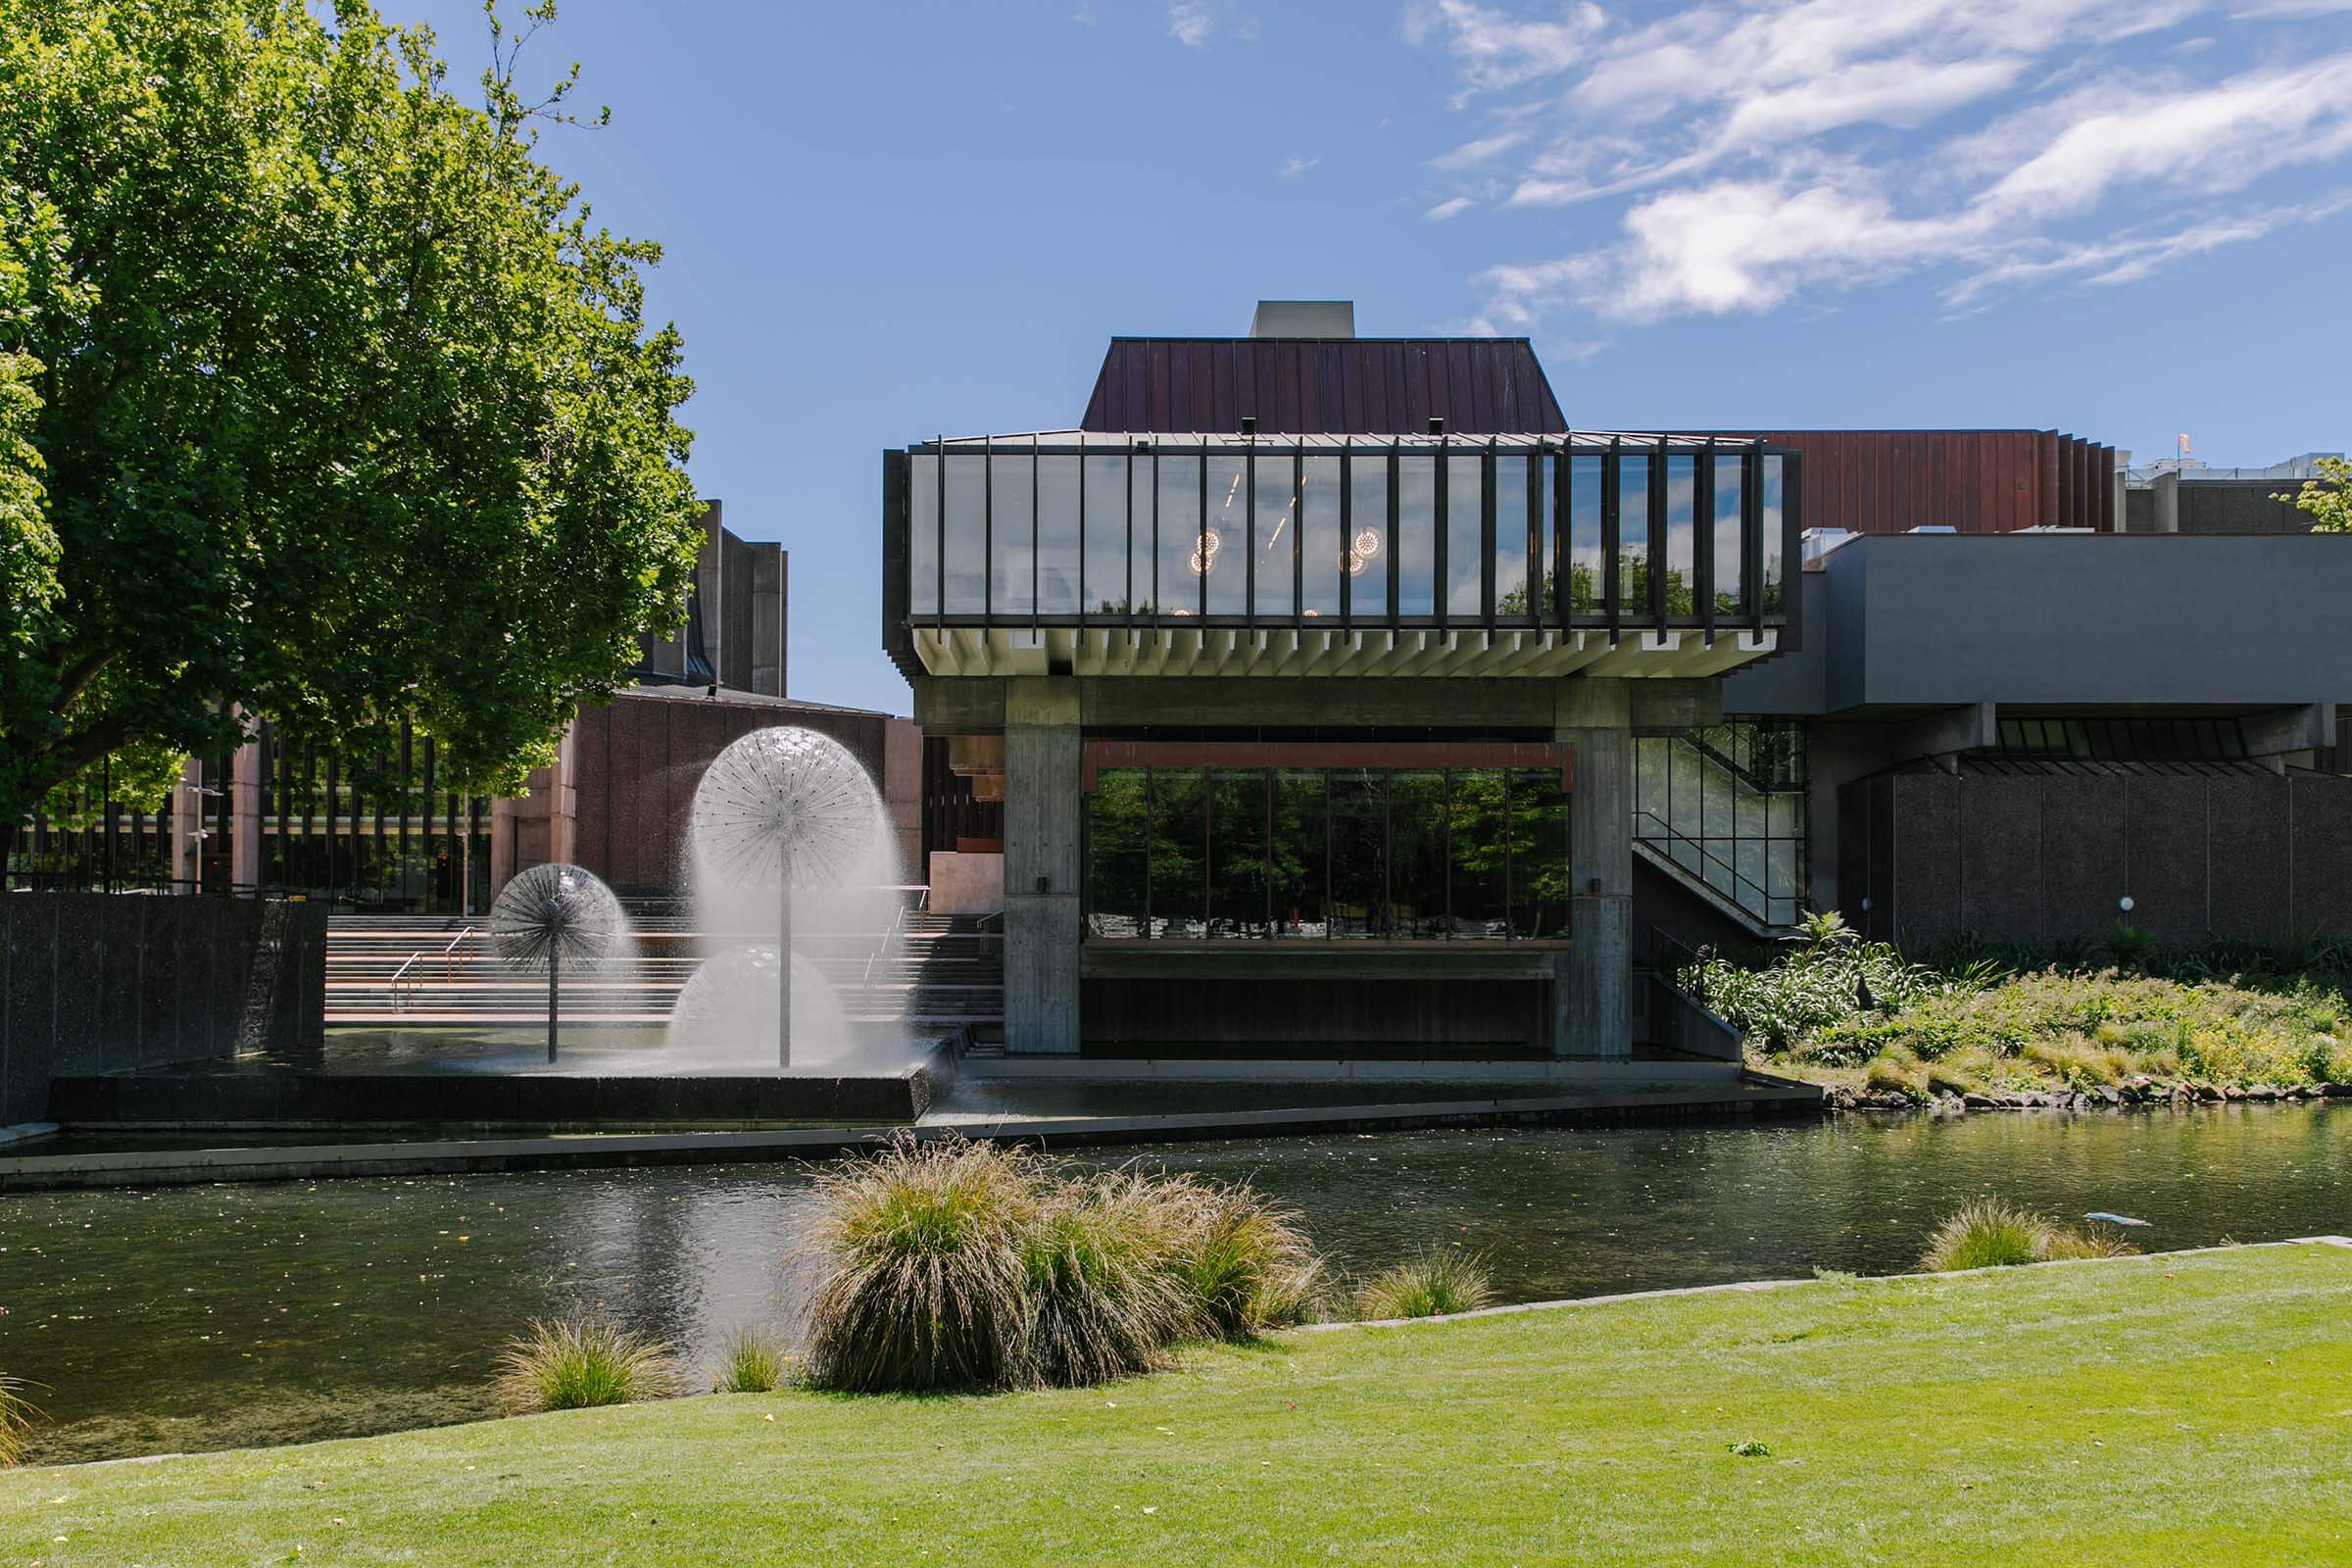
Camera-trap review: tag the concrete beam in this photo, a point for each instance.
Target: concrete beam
(1675, 707)
(1942, 737)
(2280, 730)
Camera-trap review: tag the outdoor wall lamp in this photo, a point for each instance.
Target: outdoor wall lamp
(2124, 903)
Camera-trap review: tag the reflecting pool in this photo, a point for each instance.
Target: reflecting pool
(207, 1317)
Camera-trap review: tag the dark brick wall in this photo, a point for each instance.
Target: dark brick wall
(91, 983)
(636, 762)
(2049, 856)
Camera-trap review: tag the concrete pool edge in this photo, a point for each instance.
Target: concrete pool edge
(1752, 1095)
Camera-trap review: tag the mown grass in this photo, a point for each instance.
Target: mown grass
(1969, 1021)
(2145, 1412)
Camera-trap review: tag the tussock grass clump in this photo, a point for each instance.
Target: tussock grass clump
(960, 1265)
(15, 1421)
(1437, 1284)
(751, 1362)
(573, 1364)
(1244, 1263)
(1996, 1234)
(928, 1285)
(1107, 1299)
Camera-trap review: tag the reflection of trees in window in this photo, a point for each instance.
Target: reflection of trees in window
(1117, 823)
(1179, 836)
(1359, 851)
(1236, 853)
(1479, 851)
(1295, 863)
(1537, 846)
(1417, 852)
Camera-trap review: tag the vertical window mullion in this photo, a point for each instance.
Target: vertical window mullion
(1611, 549)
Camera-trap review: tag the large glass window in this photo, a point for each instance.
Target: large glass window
(1727, 804)
(1297, 863)
(1417, 852)
(1058, 536)
(1276, 538)
(1416, 534)
(1465, 536)
(1773, 566)
(1633, 537)
(1011, 522)
(1181, 552)
(1538, 852)
(1584, 536)
(1142, 499)
(1682, 534)
(1179, 852)
(1118, 823)
(922, 536)
(1510, 536)
(1225, 543)
(966, 504)
(1359, 851)
(1478, 850)
(1106, 496)
(1322, 551)
(1730, 558)
(1236, 853)
(1368, 535)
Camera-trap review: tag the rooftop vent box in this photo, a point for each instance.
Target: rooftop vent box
(1304, 319)
(1933, 527)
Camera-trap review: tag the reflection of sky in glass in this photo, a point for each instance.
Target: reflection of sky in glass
(1584, 536)
(1510, 536)
(967, 534)
(1107, 535)
(1276, 538)
(1632, 536)
(1772, 533)
(1224, 554)
(1012, 563)
(1321, 549)
(1682, 533)
(1416, 534)
(1058, 536)
(922, 536)
(1179, 525)
(1729, 561)
(1465, 541)
(1368, 567)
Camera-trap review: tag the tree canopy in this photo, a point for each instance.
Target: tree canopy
(321, 398)
(2327, 498)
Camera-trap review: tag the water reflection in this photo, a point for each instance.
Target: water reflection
(206, 1317)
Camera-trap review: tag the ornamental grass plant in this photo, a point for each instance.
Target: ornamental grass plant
(573, 1363)
(15, 1421)
(1244, 1263)
(751, 1362)
(1996, 1235)
(1108, 1297)
(1437, 1283)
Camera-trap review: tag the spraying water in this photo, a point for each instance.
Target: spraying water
(551, 915)
(788, 837)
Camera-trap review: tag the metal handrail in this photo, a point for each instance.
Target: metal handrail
(400, 974)
(452, 960)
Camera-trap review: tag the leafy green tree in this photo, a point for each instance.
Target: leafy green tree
(321, 398)
(2327, 497)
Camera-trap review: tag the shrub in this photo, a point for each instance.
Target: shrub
(928, 1283)
(571, 1363)
(1245, 1264)
(1435, 1284)
(1996, 1235)
(1103, 1258)
(752, 1362)
(1891, 1074)
(15, 1421)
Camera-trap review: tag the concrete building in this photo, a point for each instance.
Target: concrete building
(1332, 696)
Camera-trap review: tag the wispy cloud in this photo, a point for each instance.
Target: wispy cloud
(1292, 167)
(1190, 22)
(1757, 151)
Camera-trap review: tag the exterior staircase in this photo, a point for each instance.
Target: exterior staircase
(413, 970)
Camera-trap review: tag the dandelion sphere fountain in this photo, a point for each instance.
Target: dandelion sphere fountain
(550, 914)
(785, 809)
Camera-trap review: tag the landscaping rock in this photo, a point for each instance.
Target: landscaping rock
(2336, 1091)
(1976, 1101)
(2111, 1095)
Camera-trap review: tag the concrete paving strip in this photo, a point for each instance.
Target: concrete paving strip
(186, 1166)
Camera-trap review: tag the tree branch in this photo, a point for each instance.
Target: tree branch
(76, 677)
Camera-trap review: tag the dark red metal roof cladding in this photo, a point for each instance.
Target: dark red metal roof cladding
(1324, 386)
(1977, 481)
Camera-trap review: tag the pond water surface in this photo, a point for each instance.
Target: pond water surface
(188, 1318)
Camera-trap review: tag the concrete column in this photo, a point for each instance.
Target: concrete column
(187, 821)
(539, 828)
(903, 794)
(245, 816)
(1592, 1010)
(1042, 806)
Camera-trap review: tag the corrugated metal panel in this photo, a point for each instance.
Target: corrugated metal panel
(1977, 481)
(1372, 386)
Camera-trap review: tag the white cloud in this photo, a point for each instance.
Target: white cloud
(1190, 22)
(1292, 167)
(2275, 9)
(1766, 148)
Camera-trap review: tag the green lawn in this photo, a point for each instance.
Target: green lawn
(2194, 1410)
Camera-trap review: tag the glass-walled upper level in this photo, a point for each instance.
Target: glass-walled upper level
(1088, 529)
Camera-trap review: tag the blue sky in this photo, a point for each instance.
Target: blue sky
(885, 222)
